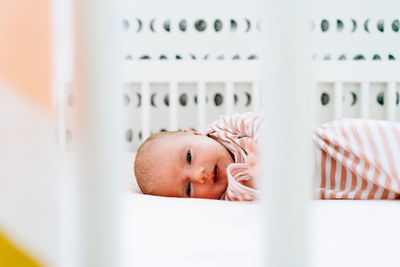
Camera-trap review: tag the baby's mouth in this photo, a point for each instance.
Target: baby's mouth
(215, 174)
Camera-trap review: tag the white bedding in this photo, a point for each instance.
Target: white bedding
(191, 232)
(161, 231)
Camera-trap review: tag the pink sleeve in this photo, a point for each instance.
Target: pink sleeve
(233, 131)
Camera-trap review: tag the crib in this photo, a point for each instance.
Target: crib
(185, 64)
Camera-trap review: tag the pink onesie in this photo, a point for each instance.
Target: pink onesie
(355, 159)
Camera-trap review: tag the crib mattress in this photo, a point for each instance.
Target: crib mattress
(161, 231)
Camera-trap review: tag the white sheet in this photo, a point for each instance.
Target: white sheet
(160, 231)
(193, 232)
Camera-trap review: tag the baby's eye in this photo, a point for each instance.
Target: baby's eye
(188, 189)
(189, 157)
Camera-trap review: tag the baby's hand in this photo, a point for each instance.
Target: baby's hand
(253, 160)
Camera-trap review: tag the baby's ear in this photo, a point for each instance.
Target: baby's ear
(192, 132)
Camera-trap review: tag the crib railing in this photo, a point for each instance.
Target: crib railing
(361, 84)
(183, 95)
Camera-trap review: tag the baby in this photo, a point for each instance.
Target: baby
(216, 165)
(356, 159)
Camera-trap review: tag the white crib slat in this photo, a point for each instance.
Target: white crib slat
(365, 92)
(145, 110)
(286, 161)
(97, 37)
(390, 101)
(229, 96)
(256, 96)
(173, 106)
(201, 110)
(314, 100)
(338, 105)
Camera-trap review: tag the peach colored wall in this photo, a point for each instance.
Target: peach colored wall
(25, 62)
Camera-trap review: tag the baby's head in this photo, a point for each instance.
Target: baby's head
(182, 164)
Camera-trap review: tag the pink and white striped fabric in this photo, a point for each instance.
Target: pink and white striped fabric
(233, 132)
(355, 159)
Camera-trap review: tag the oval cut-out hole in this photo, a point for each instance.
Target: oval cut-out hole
(324, 25)
(248, 23)
(152, 100)
(218, 99)
(125, 25)
(366, 25)
(391, 57)
(376, 57)
(324, 99)
(167, 25)
(380, 98)
(182, 25)
(166, 100)
(145, 57)
(128, 135)
(126, 100)
(354, 100)
(339, 25)
(396, 25)
(200, 25)
(354, 22)
(233, 25)
(359, 57)
(218, 25)
(342, 57)
(183, 99)
(163, 57)
(380, 25)
(248, 99)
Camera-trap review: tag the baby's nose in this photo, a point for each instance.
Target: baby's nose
(198, 175)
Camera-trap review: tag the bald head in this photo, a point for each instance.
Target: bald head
(146, 171)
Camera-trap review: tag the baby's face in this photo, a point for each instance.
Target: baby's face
(191, 165)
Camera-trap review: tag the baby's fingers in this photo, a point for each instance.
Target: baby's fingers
(251, 146)
(252, 159)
